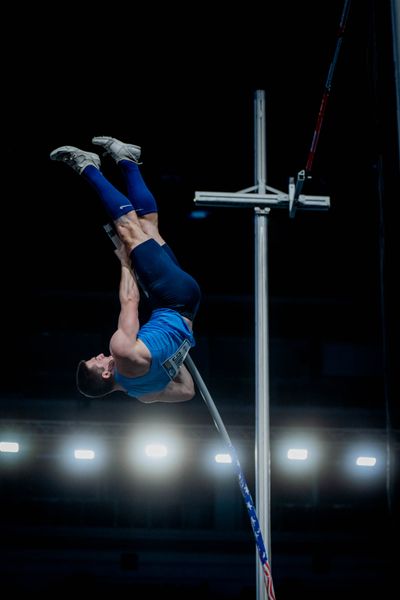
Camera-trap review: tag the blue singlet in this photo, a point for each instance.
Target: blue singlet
(169, 339)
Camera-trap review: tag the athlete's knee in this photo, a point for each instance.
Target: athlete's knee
(152, 231)
(149, 224)
(130, 230)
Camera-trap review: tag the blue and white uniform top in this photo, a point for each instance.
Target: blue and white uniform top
(168, 339)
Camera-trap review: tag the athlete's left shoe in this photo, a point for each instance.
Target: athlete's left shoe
(117, 149)
(76, 158)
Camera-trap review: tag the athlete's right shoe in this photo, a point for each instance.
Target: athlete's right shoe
(117, 149)
(76, 158)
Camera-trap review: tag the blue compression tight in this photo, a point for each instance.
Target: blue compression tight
(117, 204)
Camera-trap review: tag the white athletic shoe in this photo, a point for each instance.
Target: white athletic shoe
(118, 150)
(76, 158)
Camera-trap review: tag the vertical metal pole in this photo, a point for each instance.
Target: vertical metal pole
(262, 447)
(260, 159)
(395, 6)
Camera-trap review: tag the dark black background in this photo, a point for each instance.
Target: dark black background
(180, 83)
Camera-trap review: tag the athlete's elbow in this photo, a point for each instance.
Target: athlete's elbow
(189, 393)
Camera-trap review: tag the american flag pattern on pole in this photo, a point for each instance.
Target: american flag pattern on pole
(262, 553)
(219, 424)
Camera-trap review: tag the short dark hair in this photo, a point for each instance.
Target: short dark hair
(90, 383)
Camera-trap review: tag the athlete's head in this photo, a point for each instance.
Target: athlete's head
(95, 377)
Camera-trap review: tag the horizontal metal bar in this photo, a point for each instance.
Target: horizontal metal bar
(239, 199)
(313, 202)
(280, 200)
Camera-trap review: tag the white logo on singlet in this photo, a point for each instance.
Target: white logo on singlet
(174, 362)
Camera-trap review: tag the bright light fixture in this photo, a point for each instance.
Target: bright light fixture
(366, 461)
(9, 447)
(223, 458)
(297, 454)
(156, 450)
(84, 454)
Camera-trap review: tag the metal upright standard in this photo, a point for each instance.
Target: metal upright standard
(262, 202)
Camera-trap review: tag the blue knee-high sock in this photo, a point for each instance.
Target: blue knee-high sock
(139, 194)
(115, 203)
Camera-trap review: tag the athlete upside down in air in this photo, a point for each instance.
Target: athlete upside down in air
(145, 361)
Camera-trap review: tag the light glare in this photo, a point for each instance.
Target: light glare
(82, 454)
(297, 454)
(366, 461)
(9, 447)
(223, 458)
(156, 450)
(198, 214)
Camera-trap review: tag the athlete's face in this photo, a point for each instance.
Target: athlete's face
(101, 362)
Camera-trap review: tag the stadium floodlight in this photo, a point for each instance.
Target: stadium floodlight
(11, 447)
(366, 461)
(297, 454)
(84, 454)
(223, 458)
(154, 450)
